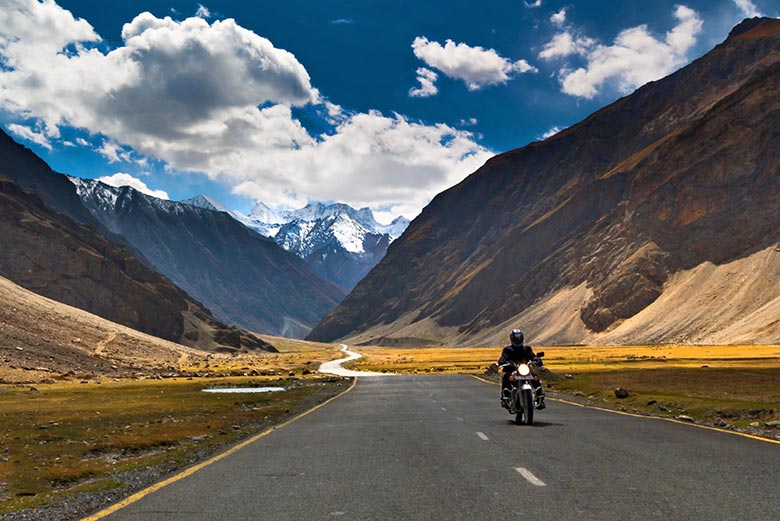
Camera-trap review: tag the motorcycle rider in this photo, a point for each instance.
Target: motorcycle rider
(516, 353)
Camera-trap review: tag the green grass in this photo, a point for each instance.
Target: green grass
(63, 439)
(739, 396)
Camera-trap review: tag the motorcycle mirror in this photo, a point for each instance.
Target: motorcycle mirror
(540, 354)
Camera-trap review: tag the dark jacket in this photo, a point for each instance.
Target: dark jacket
(515, 354)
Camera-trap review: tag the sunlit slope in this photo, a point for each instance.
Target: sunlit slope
(636, 225)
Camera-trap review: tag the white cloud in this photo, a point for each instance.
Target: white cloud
(341, 21)
(536, 3)
(123, 179)
(476, 66)
(81, 141)
(373, 159)
(216, 98)
(113, 152)
(29, 134)
(748, 8)
(203, 11)
(468, 122)
(559, 18)
(550, 133)
(635, 58)
(565, 44)
(166, 77)
(427, 79)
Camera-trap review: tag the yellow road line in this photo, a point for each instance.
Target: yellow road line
(634, 415)
(191, 470)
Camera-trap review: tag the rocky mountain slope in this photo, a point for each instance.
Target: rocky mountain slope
(244, 278)
(653, 220)
(42, 339)
(341, 244)
(33, 175)
(52, 255)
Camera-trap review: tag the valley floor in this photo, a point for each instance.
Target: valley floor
(732, 387)
(91, 411)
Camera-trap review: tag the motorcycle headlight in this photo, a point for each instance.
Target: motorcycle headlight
(524, 370)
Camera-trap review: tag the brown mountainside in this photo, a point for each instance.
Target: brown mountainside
(587, 234)
(50, 254)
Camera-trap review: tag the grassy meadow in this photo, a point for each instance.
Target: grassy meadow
(57, 440)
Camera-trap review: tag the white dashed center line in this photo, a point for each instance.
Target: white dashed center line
(530, 477)
(482, 436)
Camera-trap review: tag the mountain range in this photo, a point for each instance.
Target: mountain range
(653, 220)
(241, 276)
(52, 245)
(341, 243)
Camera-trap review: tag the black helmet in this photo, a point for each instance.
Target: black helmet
(516, 337)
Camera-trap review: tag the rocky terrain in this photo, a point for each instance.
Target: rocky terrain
(653, 220)
(42, 339)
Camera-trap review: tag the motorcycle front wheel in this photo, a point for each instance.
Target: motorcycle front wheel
(525, 413)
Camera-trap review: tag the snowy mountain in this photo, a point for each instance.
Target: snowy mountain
(341, 243)
(244, 278)
(207, 203)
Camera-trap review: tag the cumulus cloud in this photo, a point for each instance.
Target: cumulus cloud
(166, 77)
(377, 160)
(559, 18)
(536, 3)
(476, 66)
(635, 58)
(218, 99)
(748, 8)
(427, 79)
(29, 134)
(123, 179)
(566, 44)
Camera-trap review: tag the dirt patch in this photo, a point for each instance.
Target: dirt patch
(42, 340)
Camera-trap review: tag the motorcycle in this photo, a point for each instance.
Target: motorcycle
(526, 391)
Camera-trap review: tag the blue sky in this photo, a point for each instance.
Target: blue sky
(379, 104)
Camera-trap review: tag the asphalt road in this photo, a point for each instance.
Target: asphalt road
(440, 448)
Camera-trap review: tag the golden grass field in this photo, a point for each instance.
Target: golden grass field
(576, 358)
(60, 439)
(738, 385)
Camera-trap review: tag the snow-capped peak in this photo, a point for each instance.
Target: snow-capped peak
(396, 228)
(262, 213)
(349, 233)
(204, 201)
(208, 203)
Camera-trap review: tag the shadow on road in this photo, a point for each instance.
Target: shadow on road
(536, 424)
